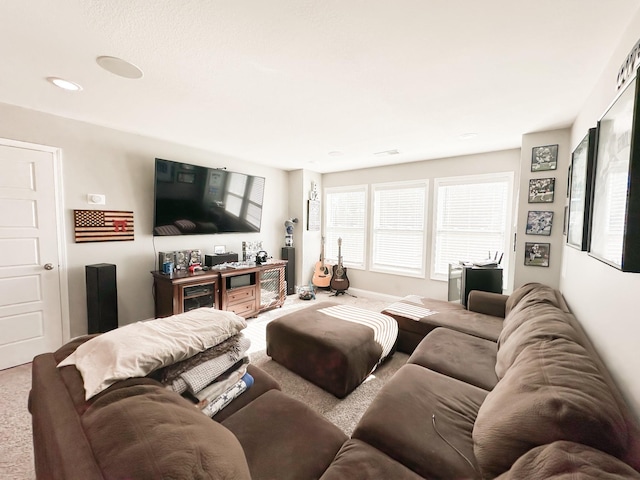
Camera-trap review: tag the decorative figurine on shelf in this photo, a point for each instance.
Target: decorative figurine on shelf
(288, 238)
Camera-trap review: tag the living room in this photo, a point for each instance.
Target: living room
(104, 159)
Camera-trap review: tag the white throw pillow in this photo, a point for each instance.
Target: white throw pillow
(137, 349)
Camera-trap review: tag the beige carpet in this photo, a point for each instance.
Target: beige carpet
(16, 452)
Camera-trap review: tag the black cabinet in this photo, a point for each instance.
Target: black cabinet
(463, 279)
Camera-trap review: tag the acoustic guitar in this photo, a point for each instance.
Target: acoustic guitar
(339, 281)
(321, 273)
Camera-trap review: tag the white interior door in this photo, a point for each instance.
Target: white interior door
(30, 305)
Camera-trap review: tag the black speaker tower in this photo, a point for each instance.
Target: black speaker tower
(289, 254)
(102, 297)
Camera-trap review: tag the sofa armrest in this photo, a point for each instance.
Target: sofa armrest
(487, 302)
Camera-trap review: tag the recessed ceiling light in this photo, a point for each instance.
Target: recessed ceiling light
(119, 67)
(64, 84)
(467, 136)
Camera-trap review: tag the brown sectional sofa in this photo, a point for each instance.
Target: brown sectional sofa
(535, 403)
(137, 429)
(537, 400)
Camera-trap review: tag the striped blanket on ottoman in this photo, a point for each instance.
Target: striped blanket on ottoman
(333, 346)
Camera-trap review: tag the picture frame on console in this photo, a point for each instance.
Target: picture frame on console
(580, 183)
(615, 211)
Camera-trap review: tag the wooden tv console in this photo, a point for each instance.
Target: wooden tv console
(246, 291)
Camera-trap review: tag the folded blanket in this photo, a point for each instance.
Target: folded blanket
(222, 383)
(198, 377)
(231, 346)
(138, 349)
(230, 394)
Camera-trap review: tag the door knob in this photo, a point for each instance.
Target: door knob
(48, 266)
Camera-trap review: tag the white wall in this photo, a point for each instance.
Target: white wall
(307, 243)
(121, 166)
(503, 161)
(526, 273)
(603, 298)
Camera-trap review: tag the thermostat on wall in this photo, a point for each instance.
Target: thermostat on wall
(96, 199)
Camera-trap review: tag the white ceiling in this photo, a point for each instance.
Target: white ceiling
(284, 83)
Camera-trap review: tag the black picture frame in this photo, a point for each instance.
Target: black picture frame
(537, 254)
(539, 222)
(615, 203)
(580, 183)
(544, 158)
(541, 190)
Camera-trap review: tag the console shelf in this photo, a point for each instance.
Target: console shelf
(181, 292)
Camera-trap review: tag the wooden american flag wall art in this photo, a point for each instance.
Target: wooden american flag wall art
(102, 226)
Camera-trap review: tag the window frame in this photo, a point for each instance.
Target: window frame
(328, 230)
(508, 225)
(420, 271)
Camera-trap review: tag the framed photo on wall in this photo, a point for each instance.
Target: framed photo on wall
(544, 158)
(536, 254)
(539, 223)
(615, 218)
(541, 190)
(581, 177)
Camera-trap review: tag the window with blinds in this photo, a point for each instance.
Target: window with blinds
(472, 218)
(346, 218)
(398, 232)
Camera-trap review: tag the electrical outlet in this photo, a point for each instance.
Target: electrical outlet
(96, 199)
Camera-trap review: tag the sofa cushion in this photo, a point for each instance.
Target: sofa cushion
(146, 424)
(458, 355)
(284, 439)
(489, 303)
(399, 422)
(568, 460)
(445, 314)
(535, 293)
(357, 460)
(528, 326)
(262, 383)
(553, 391)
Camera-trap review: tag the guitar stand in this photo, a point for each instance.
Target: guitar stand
(342, 292)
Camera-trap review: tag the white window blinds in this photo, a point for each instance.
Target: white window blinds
(472, 218)
(398, 232)
(346, 217)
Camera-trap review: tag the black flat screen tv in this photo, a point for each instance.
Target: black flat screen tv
(196, 200)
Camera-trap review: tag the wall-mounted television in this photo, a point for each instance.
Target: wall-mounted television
(192, 200)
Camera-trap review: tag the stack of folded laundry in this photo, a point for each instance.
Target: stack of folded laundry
(213, 377)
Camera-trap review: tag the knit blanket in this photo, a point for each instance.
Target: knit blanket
(195, 373)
